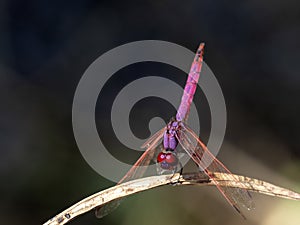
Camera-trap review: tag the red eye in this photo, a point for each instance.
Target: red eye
(161, 157)
(171, 159)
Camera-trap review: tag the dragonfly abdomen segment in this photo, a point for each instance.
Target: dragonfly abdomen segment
(191, 85)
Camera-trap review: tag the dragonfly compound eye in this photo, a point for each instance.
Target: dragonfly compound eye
(161, 157)
(171, 159)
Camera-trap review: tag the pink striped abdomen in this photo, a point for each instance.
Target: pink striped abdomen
(190, 86)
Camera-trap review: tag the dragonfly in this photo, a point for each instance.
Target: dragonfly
(165, 145)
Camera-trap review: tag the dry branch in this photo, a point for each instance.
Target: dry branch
(143, 184)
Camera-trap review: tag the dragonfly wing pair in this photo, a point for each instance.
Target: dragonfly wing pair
(208, 163)
(153, 145)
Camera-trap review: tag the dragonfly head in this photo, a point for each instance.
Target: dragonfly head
(167, 160)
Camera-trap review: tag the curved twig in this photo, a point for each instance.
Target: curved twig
(143, 184)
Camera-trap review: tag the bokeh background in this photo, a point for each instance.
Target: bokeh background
(45, 47)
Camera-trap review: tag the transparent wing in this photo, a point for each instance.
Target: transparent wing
(153, 145)
(154, 137)
(200, 154)
(139, 168)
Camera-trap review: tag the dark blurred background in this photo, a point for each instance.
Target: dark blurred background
(45, 47)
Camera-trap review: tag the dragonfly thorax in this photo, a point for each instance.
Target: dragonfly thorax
(170, 141)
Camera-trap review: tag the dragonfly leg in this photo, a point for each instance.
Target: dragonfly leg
(181, 168)
(180, 172)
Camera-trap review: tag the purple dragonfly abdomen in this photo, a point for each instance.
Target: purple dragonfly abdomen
(191, 85)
